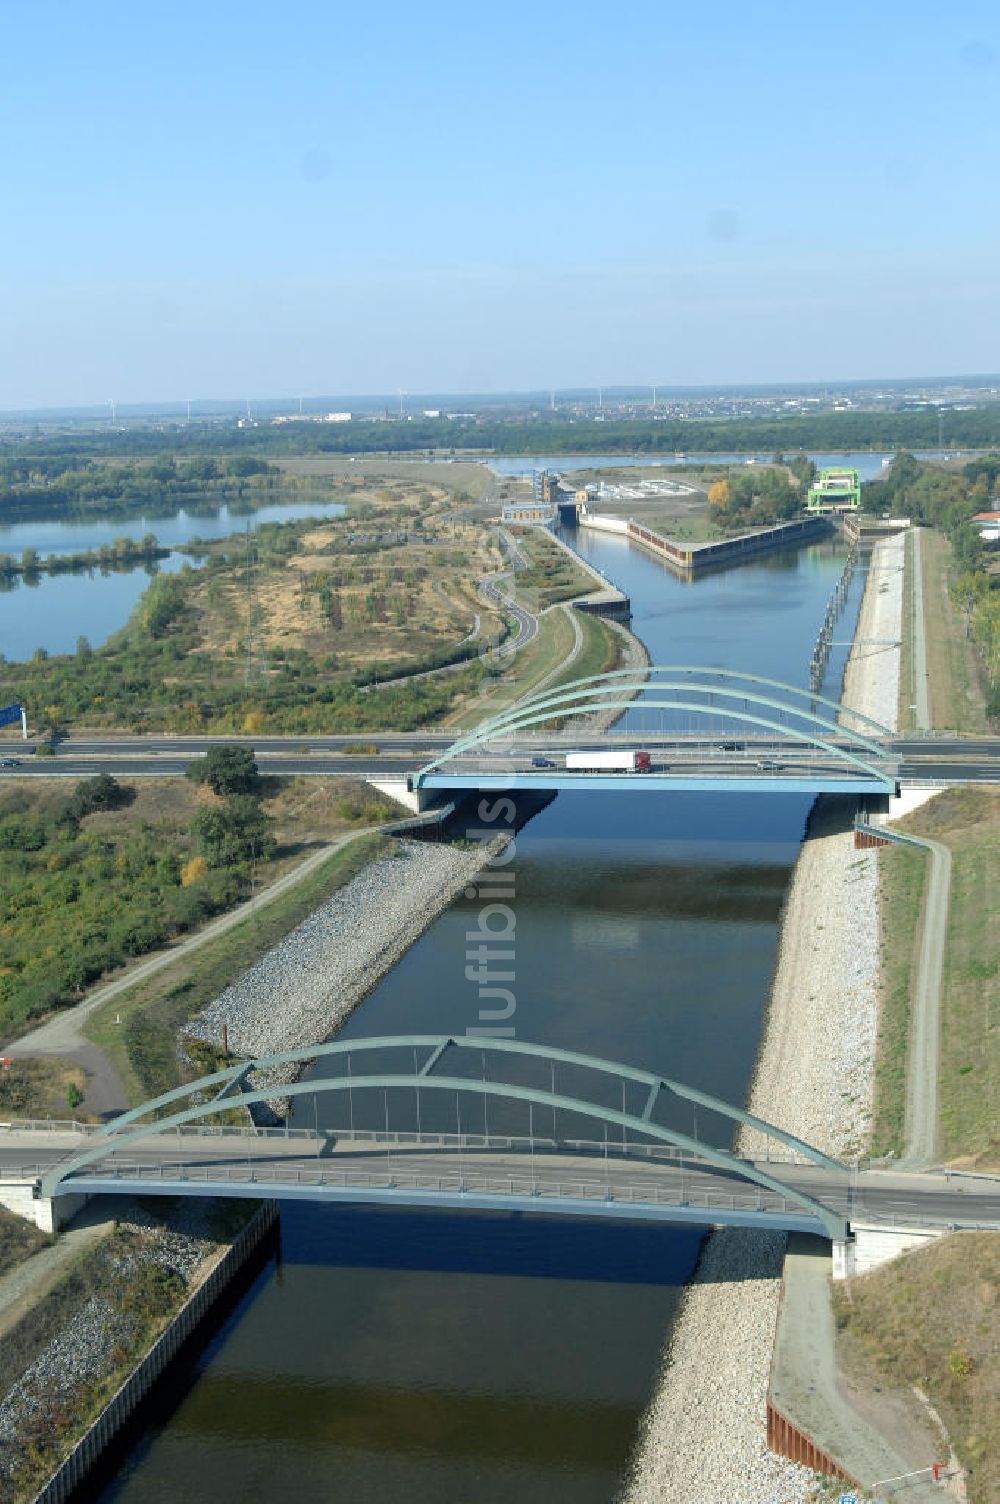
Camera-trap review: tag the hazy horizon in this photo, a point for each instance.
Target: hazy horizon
(448, 201)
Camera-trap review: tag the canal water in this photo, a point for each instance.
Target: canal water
(456, 1357)
(53, 611)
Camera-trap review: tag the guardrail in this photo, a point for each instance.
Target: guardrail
(458, 1183)
(513, 1143)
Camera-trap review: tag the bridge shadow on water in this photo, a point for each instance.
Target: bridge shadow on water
(507, 1244)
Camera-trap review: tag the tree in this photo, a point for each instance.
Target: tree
(235, 833)
(227, 770)
(718, 495)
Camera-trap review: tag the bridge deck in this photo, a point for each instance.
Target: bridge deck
(646, 1182)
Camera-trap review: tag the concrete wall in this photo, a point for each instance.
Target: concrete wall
(602, 524)
(68, 1477)
(49, 1213)
(873, 1245)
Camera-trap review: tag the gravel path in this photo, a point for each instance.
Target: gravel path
(871, 682)
(704, 1436)
(300, 992)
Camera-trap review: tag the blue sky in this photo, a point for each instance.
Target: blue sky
(244, 200)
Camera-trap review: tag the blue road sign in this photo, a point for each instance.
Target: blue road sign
(9, 714)
(848, 1499)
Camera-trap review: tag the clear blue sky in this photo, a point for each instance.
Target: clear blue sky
(222, 199)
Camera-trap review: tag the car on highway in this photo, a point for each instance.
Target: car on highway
(730, 746)
(765, 765)
(542, 762)
(10, 762)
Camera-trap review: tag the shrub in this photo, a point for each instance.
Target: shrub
(193, 871)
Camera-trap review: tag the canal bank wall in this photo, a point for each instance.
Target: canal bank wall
(70, 1341)
(705, 1433)
(687, 561)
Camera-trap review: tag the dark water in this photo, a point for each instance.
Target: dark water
(472, 1357)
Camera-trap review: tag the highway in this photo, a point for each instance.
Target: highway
(935, 759)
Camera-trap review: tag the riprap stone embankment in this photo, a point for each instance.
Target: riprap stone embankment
(303, 989)
(704, 1436)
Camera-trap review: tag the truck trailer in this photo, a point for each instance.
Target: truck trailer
(608, 762)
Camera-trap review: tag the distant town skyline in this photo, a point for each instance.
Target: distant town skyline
(203, 200)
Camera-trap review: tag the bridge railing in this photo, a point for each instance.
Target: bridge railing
(512, 1143)
(459, 1182)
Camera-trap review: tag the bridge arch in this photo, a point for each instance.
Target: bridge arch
(790, 692)
(229, 1090)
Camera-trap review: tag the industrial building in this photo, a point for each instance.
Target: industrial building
(835, 491)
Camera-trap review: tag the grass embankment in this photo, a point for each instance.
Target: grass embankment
(129, 1285)
(902, 873)
(601, 650)
(967, 820)
(18, 1240)
(929, 1320)
(552, 574)
(143, 1046)
(955, 670)
(42, 1087)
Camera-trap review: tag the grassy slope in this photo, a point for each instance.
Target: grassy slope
(954, 666)
(930, 1319)
(902, 875)
(142, 1047)
(968, 821)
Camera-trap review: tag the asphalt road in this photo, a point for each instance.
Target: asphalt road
(924, 1198)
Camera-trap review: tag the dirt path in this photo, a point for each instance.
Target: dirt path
(63, 1034)
(876, 1435)
(921, 700)
(925, 1030)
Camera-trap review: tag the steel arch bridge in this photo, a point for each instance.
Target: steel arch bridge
(440, 1066)
(829, 747)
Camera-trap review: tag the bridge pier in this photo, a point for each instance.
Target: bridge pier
(874, 1244)
(48, 1213)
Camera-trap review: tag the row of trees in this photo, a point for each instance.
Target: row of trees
(948, 500)
(49, 485)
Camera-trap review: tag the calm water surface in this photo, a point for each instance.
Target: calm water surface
(52, 611)
(452, 1358)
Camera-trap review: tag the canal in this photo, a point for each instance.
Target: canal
(456, 1357)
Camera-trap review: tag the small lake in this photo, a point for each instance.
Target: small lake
(76, 535)
(52, 611)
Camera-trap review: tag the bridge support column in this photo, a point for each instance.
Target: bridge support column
(843, 1258)
(417, 800)
(48, 1213)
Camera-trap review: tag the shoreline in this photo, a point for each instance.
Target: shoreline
(705, 1434)
(303, 990)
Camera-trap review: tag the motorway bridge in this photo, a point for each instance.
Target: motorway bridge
(646, 1159)
(704, 728)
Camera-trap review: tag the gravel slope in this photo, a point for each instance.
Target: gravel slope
(303, 989)
(704, 1436)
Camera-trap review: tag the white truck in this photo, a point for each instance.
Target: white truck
(608, 762)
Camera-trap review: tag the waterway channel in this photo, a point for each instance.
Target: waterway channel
(456, 1357)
